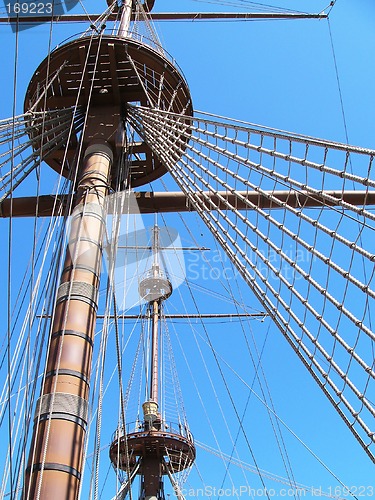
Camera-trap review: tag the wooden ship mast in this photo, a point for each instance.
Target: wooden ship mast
(154, 449)
(56, 455)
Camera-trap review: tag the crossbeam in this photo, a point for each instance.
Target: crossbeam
(164, 16)
(178, 316)
(165, 202)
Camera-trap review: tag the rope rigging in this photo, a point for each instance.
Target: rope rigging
(248, 4)
(220, 146)
(290, 256)
(18, 155)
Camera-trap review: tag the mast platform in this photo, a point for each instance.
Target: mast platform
(102, 74)
(171, 448)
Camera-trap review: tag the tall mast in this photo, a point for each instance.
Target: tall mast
(97, 76)
(156, 305)
(143, 452)
(126, 14)
(155, 288)
(55, 459)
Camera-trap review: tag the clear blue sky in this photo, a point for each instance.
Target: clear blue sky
(279, 74)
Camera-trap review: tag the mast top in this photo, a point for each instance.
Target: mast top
(155, 285)
(146, 4)
(99, 76)
(156, 447)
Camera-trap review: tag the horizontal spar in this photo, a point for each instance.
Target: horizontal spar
(164, 16)
(177, 316)
(149, 202)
